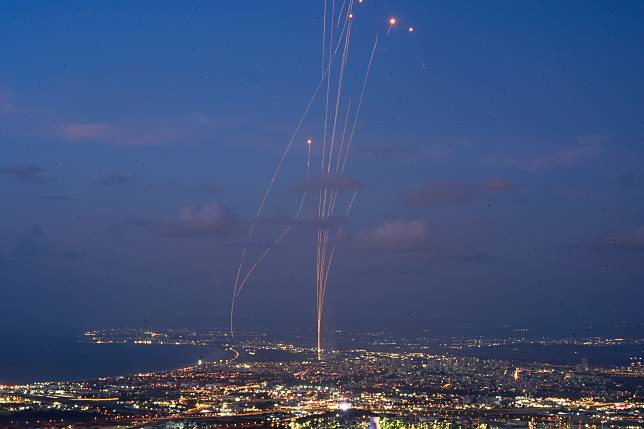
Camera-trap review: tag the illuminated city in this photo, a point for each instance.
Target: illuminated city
(262, 382)
(322, 214)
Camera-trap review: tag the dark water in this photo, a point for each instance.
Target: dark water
(563, 354)
(27, 360)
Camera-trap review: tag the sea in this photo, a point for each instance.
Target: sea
(29, 359)
(32, 358)
(559, 354)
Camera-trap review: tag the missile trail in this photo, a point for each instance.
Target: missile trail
(339, 128)
(275, 175)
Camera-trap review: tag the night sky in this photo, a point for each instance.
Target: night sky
(499, 158)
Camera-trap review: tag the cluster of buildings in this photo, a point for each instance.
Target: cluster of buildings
(274, 383)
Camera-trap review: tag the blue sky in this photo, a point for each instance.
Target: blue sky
(499, 152)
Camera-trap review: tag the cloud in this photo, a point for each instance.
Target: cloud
(451, 255)
(307, 219)
(203, 119)
(455, 193)
(163, 186)
(27, 173)
(35, 232)
(44, 123)
(134, 223)
(30, 244)
(630, 181)
(70, 254)
(405, 153)
(60, 198)
(209, 187)
(399, 236)
(127, 225)
(115, 179)
(191, 222)
(586, 147)
(118, 135)
(195, 222)
(562, 157)
(150, 137)
(384, 151)
(89, 131)
(6, 104)
(341, 183)
(631, 240)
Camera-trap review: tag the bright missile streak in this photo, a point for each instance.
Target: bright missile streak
(324, 262)
(276, 173)
(392, 21)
